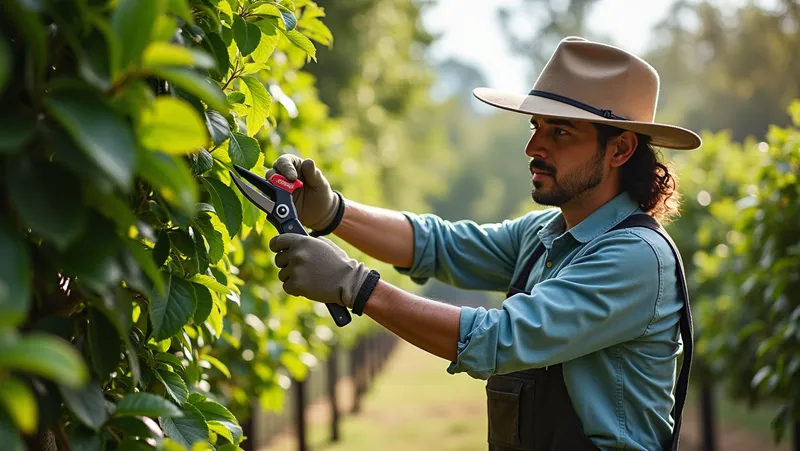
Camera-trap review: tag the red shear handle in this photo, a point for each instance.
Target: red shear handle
(284, 183)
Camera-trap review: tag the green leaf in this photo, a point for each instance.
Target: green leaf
(267, 9)
(146, 260)
(216, 244)
(133, 22)
(132, 444)
(188, 429)
(269, 39)
(302, 42)
(171, 312)
(161, 53)
(220, 429)
(316, 30)
(172, 126)
(48, 200)
(216, 47)
(83, 439)
(217, 364)
(229, 447)
(9, 435)
(94, 53)
(16, 129)
(176, 387)
(259, 100)
(215, 321)
(87, 404)
(246, 35)
(104, 344)
(146, 404)
(105, 137)
(133, 426)
(201, 162)
(209, 282)
(46, 356)
(794, 112)
(235, 97)
(118, 308)
(161, 250)
(195, 84)
(181, 9)
(15, 277)
(213, 411)
(227, 204)
(172, 178)
(224, 7)
(20, 403)
(204, 304)
(5, 63)
(171, 360)
(201, 253)
(243, 150)
(218, 127)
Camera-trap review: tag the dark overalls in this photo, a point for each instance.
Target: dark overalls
(530, 410)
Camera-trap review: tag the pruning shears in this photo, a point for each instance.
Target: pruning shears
(274, 196)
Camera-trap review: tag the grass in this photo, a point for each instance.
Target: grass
(413, 404)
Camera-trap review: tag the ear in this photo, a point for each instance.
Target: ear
(624, 145)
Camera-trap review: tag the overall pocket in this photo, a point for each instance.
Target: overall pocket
(504, 395)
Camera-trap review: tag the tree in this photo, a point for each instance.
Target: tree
(732, 71)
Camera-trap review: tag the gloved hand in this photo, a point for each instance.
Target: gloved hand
(315, 202)
(318, 269)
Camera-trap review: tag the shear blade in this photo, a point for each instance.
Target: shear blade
(263, 202)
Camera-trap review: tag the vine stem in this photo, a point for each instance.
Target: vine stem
(113, 434)
(62, 437)
(234, 75)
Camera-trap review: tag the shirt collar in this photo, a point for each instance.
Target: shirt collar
(600, 221)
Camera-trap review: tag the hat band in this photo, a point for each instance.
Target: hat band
(576, 103)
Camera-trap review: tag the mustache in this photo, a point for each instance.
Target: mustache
(541, 166)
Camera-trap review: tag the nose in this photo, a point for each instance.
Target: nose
(535, 148)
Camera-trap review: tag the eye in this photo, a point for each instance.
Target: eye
(560, 132)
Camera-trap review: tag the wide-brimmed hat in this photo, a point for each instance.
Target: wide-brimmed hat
(585, 80)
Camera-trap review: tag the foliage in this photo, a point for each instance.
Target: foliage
(375, 79)
(738, 234)
(762, 340)
(711, 181)
(138, 306)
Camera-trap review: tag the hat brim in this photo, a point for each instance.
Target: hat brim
(661, 135)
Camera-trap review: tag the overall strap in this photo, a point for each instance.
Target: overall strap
(522, 278)
(686, 328)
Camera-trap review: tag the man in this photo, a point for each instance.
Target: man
(583, 352)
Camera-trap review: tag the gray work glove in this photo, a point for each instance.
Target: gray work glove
(315, 202)
(317, 269)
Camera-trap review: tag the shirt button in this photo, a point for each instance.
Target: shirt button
(549, 264)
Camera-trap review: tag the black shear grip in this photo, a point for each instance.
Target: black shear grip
(284, 218)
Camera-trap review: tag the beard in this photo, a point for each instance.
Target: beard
(569, 186)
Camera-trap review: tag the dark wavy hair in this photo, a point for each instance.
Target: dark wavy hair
(645, 177)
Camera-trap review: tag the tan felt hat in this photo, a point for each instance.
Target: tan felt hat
(596, 82)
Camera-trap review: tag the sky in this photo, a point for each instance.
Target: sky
(470, 30)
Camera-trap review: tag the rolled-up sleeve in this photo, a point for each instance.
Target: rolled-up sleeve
(608, 294)
(463, 253)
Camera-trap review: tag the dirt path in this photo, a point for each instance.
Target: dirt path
(415, 405)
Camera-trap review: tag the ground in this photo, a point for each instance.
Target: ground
(415, 404)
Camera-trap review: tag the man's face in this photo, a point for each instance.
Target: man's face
(566, 162)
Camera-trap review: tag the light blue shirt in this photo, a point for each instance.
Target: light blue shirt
(605, 305)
